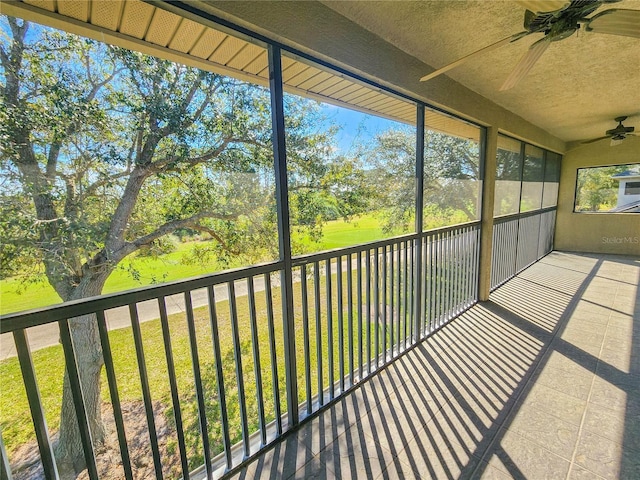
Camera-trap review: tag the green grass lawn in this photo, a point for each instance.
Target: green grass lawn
(15, 419)
(15, 422)
(338, 233)
(15, 296)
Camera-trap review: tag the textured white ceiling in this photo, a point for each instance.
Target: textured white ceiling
(574, 91)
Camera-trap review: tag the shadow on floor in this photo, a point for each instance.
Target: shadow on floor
(543, 381)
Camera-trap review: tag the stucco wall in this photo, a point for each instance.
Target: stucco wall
(596, 232)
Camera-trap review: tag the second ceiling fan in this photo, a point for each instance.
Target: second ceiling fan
(556, 24)
(617, 135)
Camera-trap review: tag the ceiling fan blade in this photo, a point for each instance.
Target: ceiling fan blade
(526, 63)
(595, 140)
(616, 21)
(493, 46)
(543, 5)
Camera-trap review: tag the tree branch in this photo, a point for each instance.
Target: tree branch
(306, 186)
(188, 121)
(216, 237)
(97, 86)
(205, 103)
(72, 128)
(166, 229)
(4, 58)
(225, 143)
(91, 189)
(162, 163)
(120, 218)
(87, 65)
(52, 160)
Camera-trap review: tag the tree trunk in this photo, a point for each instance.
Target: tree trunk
(86, 342)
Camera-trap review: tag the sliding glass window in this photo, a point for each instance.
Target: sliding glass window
(527, 177)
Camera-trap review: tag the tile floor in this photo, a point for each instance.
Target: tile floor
(543, 381)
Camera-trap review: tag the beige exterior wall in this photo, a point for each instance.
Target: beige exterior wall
(596, 232)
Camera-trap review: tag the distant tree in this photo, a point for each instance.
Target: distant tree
(106, 151)
(596, 190)
(452, 171)
(508, 165)
(451, 168)
(392, 158)
(323, 184)
(508, 178)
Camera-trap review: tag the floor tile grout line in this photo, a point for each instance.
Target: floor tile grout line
(584, 413)
(450, 400)
(524, 389)
(538, 367)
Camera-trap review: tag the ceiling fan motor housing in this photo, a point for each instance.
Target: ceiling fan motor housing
(561, 33)
(556, 25)
(620, 130)
(563, 23)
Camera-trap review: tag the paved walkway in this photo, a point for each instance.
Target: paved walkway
(543, 381)
(47, 335)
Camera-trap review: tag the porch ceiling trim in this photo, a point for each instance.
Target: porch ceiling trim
(141, 26)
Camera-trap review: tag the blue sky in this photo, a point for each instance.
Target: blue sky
(355, 126)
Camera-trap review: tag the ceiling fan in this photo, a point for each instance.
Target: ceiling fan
(557, 20)
(617, 135)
